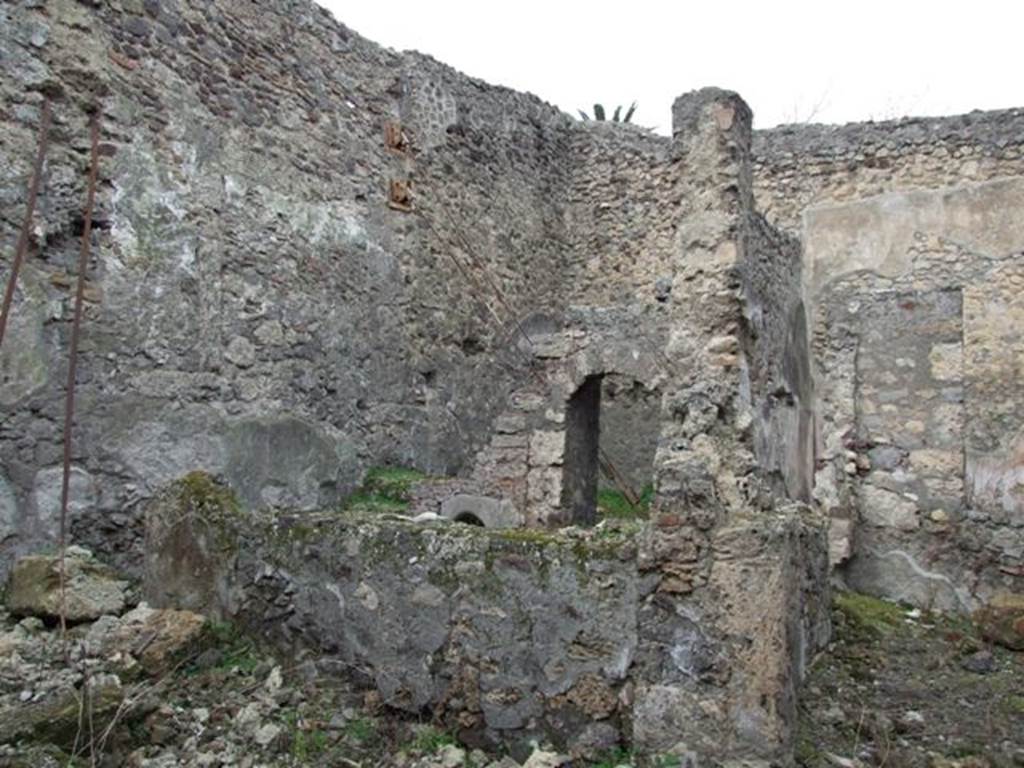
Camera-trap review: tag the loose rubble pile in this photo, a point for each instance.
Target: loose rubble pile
(139, 686)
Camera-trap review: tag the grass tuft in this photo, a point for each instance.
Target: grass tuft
(614, 758)
(237, 651)
(361, 731)
(430, 740)
(613, 504)
(392, 482)
(384, 489)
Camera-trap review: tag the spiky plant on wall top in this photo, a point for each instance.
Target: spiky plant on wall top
(617, 116)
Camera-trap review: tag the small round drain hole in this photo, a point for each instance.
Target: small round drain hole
(469, 519)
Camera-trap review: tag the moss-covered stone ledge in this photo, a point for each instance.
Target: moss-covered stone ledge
(580, 636)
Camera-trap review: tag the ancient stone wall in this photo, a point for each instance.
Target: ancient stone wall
(258, 303)
(800, 166)
(511, 635)
(628, 195)
(314, 255)
(912, 252)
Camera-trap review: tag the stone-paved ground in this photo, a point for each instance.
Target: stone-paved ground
(906, 689)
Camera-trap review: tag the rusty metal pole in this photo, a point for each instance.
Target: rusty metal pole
(26, 225)
(69, 403)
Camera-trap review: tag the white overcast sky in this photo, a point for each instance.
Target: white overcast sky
(793, 61)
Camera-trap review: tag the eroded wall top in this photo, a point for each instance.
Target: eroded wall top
(797, 167)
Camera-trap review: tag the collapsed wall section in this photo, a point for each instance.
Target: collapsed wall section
(514, 636)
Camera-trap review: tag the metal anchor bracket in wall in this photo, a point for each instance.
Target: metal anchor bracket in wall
(399, 190)
(400, 195)
(395, 137)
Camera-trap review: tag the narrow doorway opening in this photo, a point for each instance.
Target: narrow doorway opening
(582, 442)
(630, 425)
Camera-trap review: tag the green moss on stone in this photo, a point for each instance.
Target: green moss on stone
(201, 497)
(363, 501)
(392, 482)
(201, 493)
(868, 614)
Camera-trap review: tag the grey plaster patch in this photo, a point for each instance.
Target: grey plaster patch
(8, 510)
(46, 497)
(287, 462)
(895, 574)
(160, 450)
(25, 358)
(888, 509)
(876, 233)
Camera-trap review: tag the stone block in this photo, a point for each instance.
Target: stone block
(546, 346)
(937, 463)
(191, 541)
(887, 509)
(91, 589)
(547, 448)
(158, 638)
(840, 540)
(947, 361)
(56, 718)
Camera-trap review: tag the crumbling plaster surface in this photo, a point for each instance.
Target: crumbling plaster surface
(877, 234)
(913, 239)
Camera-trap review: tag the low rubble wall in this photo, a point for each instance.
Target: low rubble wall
(581, 637)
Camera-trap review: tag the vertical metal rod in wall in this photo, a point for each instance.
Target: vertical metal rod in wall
(69, 403)
(26, 225)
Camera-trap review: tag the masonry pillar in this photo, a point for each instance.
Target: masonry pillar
(740, 598)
